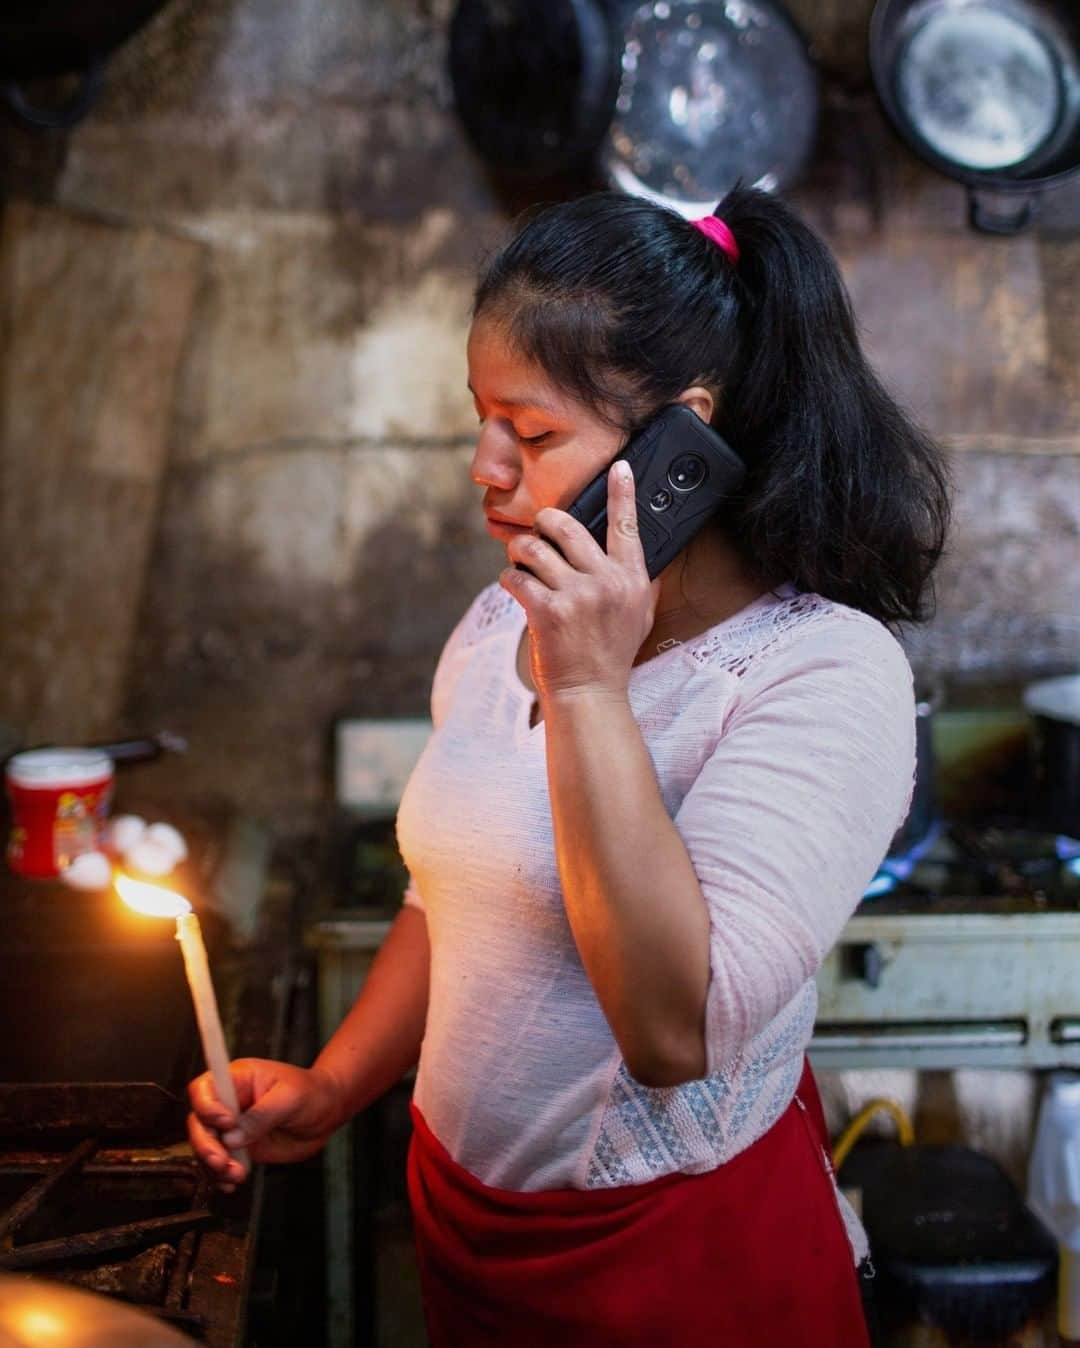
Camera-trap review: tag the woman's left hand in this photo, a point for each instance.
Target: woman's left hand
(588, 611)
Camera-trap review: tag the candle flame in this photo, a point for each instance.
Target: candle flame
(153, 900)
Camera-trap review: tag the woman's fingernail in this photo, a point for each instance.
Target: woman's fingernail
(624, 471)
(233, 1138)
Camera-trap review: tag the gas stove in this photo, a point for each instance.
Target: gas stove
(964, 953)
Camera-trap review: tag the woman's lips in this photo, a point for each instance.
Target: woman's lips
(504, 530)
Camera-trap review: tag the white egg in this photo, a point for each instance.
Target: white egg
(124, 832)
(149, 857)
(171, 839)
(91, 870)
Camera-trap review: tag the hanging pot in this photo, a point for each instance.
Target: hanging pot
(534, 85)
(985, 91)
(40, 39)
(676, 100)
(710, 94)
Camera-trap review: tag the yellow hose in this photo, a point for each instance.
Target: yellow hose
(854, 1130)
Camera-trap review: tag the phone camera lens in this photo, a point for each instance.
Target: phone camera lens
(687, 472)
(660, 499)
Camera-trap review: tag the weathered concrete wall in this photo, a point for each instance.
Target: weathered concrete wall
(235, 305)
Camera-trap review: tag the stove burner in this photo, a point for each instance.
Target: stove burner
(1000, 860)
(1068, 850)
(896, 870)
(164, 1192)
(76, 1217)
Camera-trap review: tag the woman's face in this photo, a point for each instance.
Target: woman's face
(537, 446)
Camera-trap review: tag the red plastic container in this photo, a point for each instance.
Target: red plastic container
(59, 802)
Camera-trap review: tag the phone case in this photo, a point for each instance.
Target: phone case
(669, 514)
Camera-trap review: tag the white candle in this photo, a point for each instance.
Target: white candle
(156, 901)
(197, 968)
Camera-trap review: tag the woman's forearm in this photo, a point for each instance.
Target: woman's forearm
(633, 901)
(379, 1039)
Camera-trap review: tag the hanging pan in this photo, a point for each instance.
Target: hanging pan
(985, 91)
(675, 100)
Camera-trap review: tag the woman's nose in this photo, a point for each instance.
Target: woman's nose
(495, 461)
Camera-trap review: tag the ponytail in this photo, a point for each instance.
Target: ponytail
(845, 496)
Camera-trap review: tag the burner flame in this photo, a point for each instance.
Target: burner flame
(1067, 849)
(152, 900)
(894, 870)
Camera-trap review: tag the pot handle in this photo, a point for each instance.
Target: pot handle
(987, 220)
(64, 115)
(142, 750)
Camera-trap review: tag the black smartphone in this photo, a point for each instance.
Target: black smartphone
(683, 472)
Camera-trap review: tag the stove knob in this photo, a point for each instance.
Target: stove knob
(869, 961)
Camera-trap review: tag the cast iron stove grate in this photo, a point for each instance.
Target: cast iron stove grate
(137, 1224)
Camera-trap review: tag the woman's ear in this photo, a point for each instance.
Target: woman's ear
(700, 400)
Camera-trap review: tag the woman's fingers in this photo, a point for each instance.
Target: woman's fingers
(542, 559)
(623, 537)
(207, 1146)
(204, 1098)
(270, 1111)
(286, 1114)
(216, 1133)
(571, 538)
(566, 546)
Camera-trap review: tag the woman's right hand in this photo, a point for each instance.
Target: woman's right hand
(286, 1114)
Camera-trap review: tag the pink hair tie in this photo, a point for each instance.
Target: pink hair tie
(720, 234)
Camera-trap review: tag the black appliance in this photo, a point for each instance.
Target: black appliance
(953, 1244)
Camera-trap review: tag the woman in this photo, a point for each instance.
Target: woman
(647, 808)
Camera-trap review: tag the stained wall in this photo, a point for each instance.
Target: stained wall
(234, 429)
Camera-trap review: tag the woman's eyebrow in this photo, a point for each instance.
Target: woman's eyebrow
(537, 403)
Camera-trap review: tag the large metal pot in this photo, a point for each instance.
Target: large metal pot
(1054, 705)
(675, 101)
(987, 92)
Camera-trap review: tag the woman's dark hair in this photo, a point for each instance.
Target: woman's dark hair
(624, 304)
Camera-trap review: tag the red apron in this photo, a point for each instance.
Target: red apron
(752, 1253)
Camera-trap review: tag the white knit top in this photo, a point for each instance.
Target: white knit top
(783, 741)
